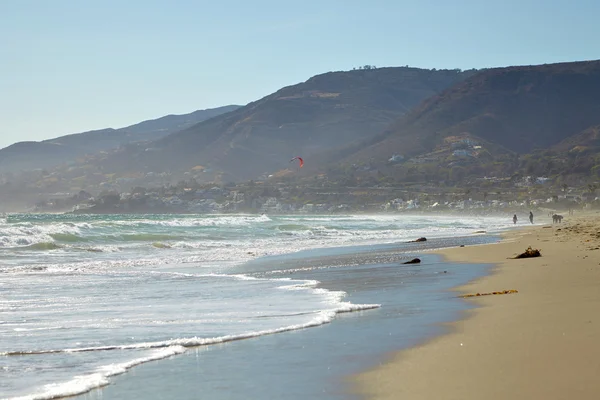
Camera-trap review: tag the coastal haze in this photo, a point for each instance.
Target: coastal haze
(507, 134)
(348, 169)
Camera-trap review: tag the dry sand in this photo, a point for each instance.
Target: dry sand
(540, 343)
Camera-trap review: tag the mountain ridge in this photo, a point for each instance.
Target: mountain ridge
(518, 109)
(45, 153)
(352, 130)
(306, 118)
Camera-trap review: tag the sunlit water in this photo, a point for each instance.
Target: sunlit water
(85, 298)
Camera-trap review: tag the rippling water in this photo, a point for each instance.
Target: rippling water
(83, 298)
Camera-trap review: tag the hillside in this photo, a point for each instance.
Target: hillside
(486, 129)
(325, 112)
(43, 154)
(484, 124)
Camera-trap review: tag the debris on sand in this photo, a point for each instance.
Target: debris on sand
(413, 261)
(529, 253)
(421, 239)
(490, 293)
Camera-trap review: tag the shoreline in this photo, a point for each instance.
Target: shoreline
(291, 357)
(541, 342)
(366, 274)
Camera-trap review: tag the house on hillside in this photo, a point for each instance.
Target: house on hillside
(464, 143)
(462, 153)
(271, 205)
(396, 158)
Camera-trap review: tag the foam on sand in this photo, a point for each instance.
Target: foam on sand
(85, 383)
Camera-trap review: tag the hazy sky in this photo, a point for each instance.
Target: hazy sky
(72, 66)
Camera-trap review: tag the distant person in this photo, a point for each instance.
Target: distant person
(515, 219)
(531, 217)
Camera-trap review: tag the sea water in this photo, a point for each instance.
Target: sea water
(86, 298)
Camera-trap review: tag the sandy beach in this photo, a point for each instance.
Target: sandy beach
(540, 343)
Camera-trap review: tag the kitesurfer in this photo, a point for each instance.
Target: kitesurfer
(299, 159)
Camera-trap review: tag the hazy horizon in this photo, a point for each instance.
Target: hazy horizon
(77, 67)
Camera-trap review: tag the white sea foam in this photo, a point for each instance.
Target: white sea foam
(321, 318)
(208, 221)
(245, 242)
(129, 285)
(331, 298)
(26, 234)
(85, 383)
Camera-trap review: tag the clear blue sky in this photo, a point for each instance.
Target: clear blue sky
(72, 66)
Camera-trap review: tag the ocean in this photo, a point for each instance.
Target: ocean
(120, 306)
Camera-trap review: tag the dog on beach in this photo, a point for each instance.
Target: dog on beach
(557, 218)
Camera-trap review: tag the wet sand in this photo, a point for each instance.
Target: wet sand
(540, 343)
(314, 363)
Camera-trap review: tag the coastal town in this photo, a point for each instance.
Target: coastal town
(279, 198)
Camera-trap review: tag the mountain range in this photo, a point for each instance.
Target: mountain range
(323, 113)
(519, 108)
(393, 124)
(63, 149)
(498, 121)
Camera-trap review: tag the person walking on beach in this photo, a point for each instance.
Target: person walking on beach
(515, 219)
(531, 217)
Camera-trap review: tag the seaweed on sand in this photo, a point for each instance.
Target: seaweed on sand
(529, 253)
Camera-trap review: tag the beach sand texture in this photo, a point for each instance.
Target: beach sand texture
(540, 343)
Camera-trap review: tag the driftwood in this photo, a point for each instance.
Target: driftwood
(529, 253)
(413, 261)
(421, 239)
(511, 291)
